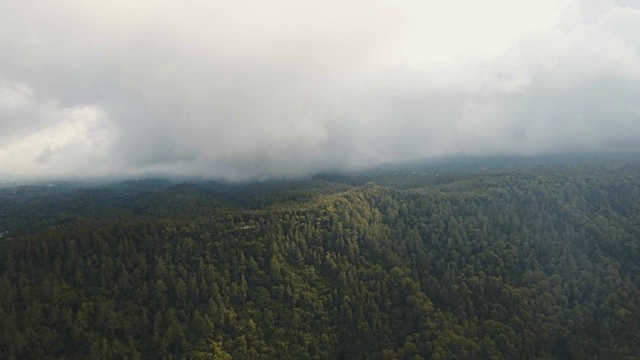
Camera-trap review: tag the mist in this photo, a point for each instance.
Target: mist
(254, 90)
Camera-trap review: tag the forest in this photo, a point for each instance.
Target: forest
(525, 261)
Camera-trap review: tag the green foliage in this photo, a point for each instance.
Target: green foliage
(541, 263)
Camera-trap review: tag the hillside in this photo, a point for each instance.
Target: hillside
(538, 262)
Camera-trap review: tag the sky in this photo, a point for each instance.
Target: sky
(284, 88)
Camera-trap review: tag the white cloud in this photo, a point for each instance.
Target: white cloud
(68, 140)
(254, 89)
(14, 97)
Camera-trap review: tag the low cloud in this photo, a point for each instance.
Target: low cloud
(284, 88)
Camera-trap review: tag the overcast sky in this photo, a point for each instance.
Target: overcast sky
(253, 89)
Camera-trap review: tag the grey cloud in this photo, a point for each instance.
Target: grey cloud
(253, 91)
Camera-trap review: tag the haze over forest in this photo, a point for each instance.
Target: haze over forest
(249, 89)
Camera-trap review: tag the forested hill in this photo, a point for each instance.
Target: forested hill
(535, 263)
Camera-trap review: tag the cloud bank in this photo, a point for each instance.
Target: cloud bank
(250, 89)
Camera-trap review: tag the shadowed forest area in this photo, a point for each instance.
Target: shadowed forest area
(538, 261)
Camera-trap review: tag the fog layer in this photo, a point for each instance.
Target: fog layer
(256, 89)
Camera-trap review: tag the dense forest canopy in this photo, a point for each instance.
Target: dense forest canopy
(526, 261)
